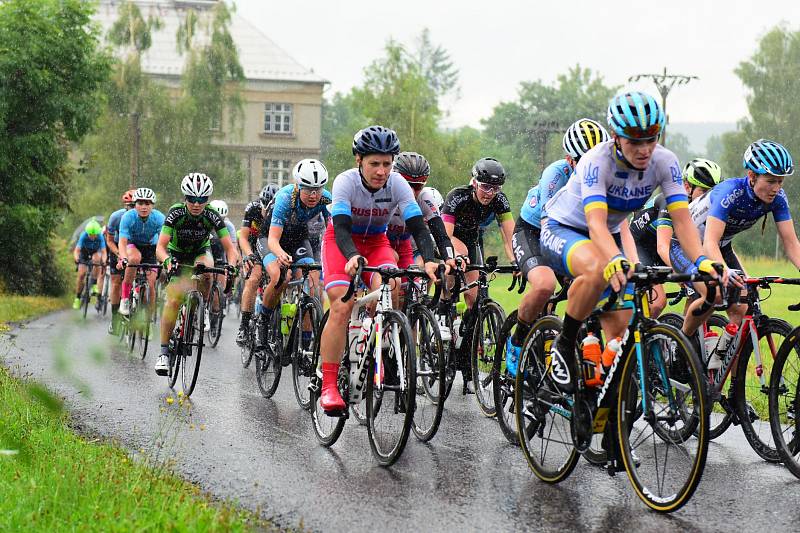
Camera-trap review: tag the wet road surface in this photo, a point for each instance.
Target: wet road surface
(263, 453)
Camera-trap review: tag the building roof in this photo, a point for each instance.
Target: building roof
(259, 56)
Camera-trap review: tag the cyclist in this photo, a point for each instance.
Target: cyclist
(91, 248)
(184, 242)
(217, 252)
(284, 239)
(580, 137)
(469, 209)
(613, 179)
(734, 206)
(251, 259)
(651, 227)
(138, 234)
(416, 170)
(112, 238)
(364, 199)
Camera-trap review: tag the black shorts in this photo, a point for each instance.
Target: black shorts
(648, 256)
(85, 256)
(112, 264)
(218, 253)
(525, 244)
(148, 252)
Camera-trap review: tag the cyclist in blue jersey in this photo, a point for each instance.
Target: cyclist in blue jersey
(364, 199)
(734, 206)
(580, 137)
(284, 238)
(91, 248)
(138, 234)
(611, 180)
(112, 238)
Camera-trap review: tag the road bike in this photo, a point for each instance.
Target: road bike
(101, 305)
(216, 308)
(135, 326)
(784, 400)
(86, 291)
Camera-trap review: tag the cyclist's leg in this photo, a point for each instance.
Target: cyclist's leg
(97, 271)
(683, 265)
(134, 258)
(204, 283)
(736, 311)
(81, 275)
(249, 293)
(272, 292)
(541, 278)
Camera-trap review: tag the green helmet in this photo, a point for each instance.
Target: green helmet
(93, 228)
(702, 173)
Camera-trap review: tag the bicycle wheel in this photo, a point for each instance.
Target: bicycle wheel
(193, 331)
(542, 415)
(268, 358)
(390, 405)
(430, 373)
(175, 354)
(246, 351)
(106, 288)
(503, 389)
(663, 459)
(326, 428)
(303, 350)
(784, 402)
(86, 293)
(133, 326)
(215, 316)
(142, 322)
(483, 350)
(751, 398)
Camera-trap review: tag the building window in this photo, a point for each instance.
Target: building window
(275, 171)
(278, 118)
(215, 124)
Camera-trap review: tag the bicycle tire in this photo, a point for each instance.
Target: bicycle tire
(533, 417)
(504, 385)
(215, 328)
(193, 333)
(754, 399)
(144, 332)
(133, 307)
(326, 428)
(483, 349)
(246, 351)
(86, 294)
(303, 350)
(632, 427)
(784, 402)
(430, 369)
(388, 450)
(268, 358)
(176, 341)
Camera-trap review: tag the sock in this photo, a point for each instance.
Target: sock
(245, 319)
(78, 295)
(267, 312)
(126, 289)
(114, 309)
(570, 331)
(330, 373)
(520, 333)
(164, 349)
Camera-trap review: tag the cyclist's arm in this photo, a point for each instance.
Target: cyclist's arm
(110, 244)
(161, 246)
(274, 241)
(713, 235)
(244, 240)
(123, 248)
(343, 233)
(76, 253)
(789, 241)
(628, 244)
(507, 232)
(103, 252)
(439, 232)
(449, 228)
(422, 236)
(230, 249)
(663, 241)
(597, 221)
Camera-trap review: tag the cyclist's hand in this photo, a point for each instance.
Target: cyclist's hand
(122, 264)
(352, 264)
(615, 272)
(232, 270)
(284, 259)
(431, 268)
(250, 261)
(450, 266)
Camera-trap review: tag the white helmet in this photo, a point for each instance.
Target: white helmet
(197, 184)
(436, 195)
(221, 207)
(143, 193)
(310, 173)
(582, 136)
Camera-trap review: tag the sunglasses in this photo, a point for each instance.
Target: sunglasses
(311, 191)
(196, 199)
(651, 132)
(130, 205)
(489, 189)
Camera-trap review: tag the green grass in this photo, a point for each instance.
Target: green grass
(15, 308)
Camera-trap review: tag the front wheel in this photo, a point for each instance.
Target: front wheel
(483, 350)
(784, 402)
(142, 322)
(430, 373)
(193, 332)
(303, 349)
(503, 389)
(268, 358)
(215, 313)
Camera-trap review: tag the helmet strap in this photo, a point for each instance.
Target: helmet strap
(622, 157)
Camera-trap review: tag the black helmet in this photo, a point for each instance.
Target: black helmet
(265, 197)
(376, 140)
(489, 170)
(413, 166)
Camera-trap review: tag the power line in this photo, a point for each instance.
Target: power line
(664, 83)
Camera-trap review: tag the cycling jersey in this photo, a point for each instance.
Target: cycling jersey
(189, 233)
(397, 226)
(554, 177)
(470, 216)
(112, 228)
(288, 212)
(90, 245)
(734, 202)
(141, 232)
(253, 219)
(602, 181)
(644, 228)
(216, 247)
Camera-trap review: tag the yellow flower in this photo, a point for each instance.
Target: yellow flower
(170, 400)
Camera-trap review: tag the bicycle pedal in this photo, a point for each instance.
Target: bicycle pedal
(337, 413)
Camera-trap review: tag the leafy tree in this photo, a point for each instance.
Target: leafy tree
(50, 67)
(678, 143)
(714, 148)
(435, 64)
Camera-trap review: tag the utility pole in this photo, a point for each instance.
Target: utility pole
(541, 130)
(134, 148)
(665, 83)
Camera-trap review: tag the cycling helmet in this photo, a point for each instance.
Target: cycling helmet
(768, 157)
(376, 140)
(635, 115)
(143, 193)
(489, 170)
(582, 136)
(220, 207)
(310, 173)
(197, 184)
(93, 228)
(703, 173)
(127, 196)
(413, 167)
(265, 197)
(436, 196)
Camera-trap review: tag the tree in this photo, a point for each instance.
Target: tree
(50, 67)
(678, 143)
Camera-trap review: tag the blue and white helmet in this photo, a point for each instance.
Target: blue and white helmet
(768, 157)
(635, 115)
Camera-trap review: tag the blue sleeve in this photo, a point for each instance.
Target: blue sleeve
(281, 210)
(550, 184)
(780, 207)
(721, 199)
(102, 242)
(82, 240)
(124, 225)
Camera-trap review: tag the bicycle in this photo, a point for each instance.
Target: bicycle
(652, 393)
(386, 380)
(135, 325)
(185, 347)
(86, 291)
(216, 306)
(101, 305)
(784, 399)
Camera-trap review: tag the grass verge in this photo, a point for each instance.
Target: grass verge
(15, 308)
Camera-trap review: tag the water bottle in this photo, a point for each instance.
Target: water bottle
(711, 339)
(457, 331)
(258, 304)
(362, 338)
(613, 349)
(722, 346)
(591, 360)
(444, 330)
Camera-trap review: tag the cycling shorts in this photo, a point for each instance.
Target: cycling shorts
(404, 251)
(301, 253)
(525, 244)
(148, 252)
(375, 248)
(85, 256)
(112, 264)
(648, 256)
(188, 260)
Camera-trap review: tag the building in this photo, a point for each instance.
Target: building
(283, 99)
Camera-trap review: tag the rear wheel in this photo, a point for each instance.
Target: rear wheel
(303, 350)
(326, 428)
(784, 402)
(503, 389)
(142, 322)
(193, 332)
(86, 296)
(247, 350)
(483, 350)
(430, 372)
(133, 325)
(215, 313)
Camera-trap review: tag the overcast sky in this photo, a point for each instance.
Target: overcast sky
(497, 44)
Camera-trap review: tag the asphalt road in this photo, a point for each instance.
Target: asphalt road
(263, 453)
